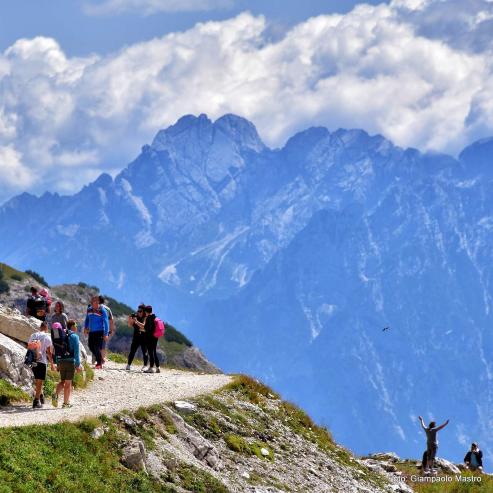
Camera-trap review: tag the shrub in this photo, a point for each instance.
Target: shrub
(4, 287)
(16, 277)
(37, 277)
(118, 309)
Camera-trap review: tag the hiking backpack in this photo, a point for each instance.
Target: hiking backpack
(40, 306)
(158, 328)
(61, 344)
(30, 358)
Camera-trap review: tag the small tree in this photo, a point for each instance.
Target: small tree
(4, 287)
(37, 277)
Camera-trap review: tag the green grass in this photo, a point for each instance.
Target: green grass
(199, 481)
(116, 357)
(11, 273)
(251, 389)
(64, 458)
(242, 446)
(412, 473)
(10, 394)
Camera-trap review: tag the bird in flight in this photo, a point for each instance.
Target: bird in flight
(385, 328)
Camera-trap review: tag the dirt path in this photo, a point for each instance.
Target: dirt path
(115, 389)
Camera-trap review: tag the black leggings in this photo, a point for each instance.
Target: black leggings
(137, 341)
(152, 348)
(96, 344)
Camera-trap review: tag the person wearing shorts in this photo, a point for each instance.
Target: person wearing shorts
(67, 366)
(40, 342)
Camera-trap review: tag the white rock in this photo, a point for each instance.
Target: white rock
(185, 407)
(245, 475)
(12, 366)
(264, 452)
(447, 466)
(97, 433)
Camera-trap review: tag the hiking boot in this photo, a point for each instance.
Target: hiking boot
(144, 368)
(98, 367)
(37, 404)
(158, 370)
(66, 405)
(54, 400)
(42, 399)
(149, 370)
(127, 368)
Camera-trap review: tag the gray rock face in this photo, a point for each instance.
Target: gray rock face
(12, 366)
(134, 456)
(446, 466)
(15, 325)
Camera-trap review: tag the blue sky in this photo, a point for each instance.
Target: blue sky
(80, 34)
(84, 84)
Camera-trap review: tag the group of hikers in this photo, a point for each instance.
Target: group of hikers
(57, 341)
(473, 459)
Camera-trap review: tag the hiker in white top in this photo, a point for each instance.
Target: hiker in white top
(40, 342)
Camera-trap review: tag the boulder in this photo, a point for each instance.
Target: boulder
(15, 325)
(134, 455)
(185, 407)
(18, 327)
(446, 466)
(12, 366)
(385, 456)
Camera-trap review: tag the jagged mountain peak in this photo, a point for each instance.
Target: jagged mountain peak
(191, 131)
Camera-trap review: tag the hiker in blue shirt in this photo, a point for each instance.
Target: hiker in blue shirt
(97, 326)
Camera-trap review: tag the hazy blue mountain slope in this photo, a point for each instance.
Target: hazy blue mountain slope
(288, 263)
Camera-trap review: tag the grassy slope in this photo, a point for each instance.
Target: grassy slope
(441, 485)
(65, 458)
(10, 394)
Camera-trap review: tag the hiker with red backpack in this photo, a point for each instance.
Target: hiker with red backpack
(67, 358)
(37, 305)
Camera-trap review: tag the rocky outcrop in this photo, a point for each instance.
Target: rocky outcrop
(12, 366)
(193, 359)
(15, 325)
(134, 456)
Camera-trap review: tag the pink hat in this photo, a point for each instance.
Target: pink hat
(43, 292)
(56, 325)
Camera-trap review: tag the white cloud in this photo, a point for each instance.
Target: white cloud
(381, 68)
(148, 7)
(14, 174)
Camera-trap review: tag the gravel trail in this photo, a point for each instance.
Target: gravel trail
(115, 389)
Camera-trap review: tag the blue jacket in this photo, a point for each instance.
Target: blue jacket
(97, 320)
(73, 344)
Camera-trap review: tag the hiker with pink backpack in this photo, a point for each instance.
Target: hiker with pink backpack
(154, 329)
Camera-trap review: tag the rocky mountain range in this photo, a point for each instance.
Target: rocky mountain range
(289, 264)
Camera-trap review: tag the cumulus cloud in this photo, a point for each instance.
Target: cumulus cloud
(148, 7)
(383, 68)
